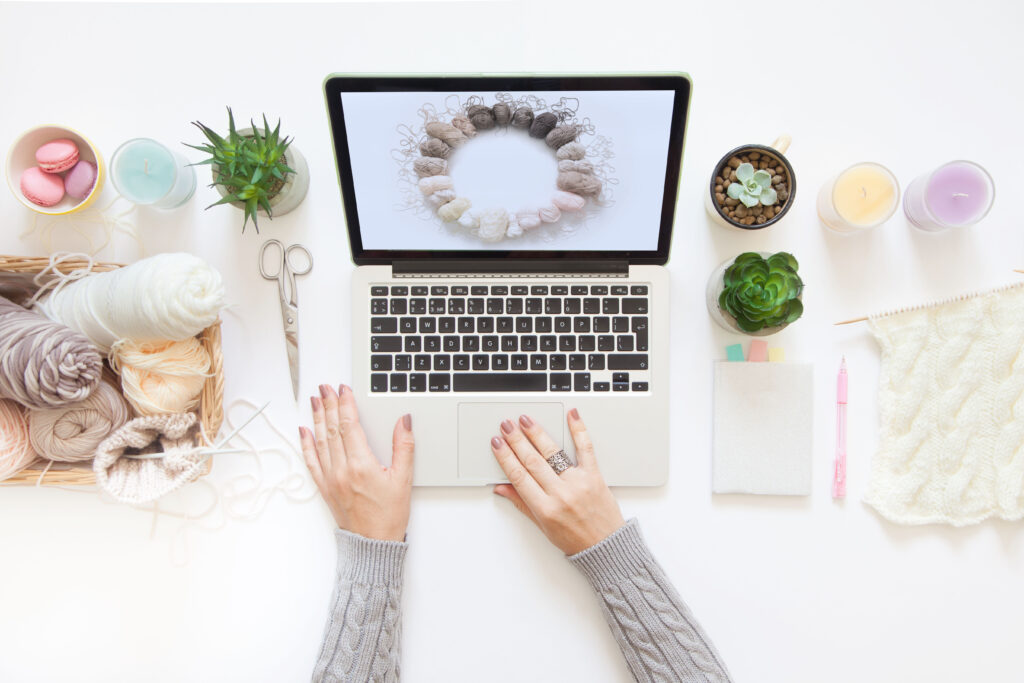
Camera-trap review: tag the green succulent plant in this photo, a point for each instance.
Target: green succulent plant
(762, 292)
(250, 168)
(753, 187)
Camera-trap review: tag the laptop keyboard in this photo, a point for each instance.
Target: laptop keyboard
(507, 338)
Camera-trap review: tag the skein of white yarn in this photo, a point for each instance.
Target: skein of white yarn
(164, 297)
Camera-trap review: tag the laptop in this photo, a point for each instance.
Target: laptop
(510, 233)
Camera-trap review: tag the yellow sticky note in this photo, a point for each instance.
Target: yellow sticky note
(776, 355)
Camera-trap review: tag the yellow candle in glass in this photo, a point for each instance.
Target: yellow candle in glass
(862, 196)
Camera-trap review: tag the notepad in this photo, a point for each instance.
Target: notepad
(763, 428)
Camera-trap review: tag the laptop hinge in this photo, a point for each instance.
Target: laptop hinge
(555, 267)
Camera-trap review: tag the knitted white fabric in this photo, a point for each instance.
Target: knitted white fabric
(951, 396)
(136, 481)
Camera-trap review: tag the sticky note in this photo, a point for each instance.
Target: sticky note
(758, 351)
(776, 355)
(734, 352)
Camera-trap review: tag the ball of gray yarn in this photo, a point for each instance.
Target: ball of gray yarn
(543, 124)
(42, 363)
(432, 147)
(427, 166)
(480, 116)
(579, 183)
(522, 117)
(502, 114)
(560, 135)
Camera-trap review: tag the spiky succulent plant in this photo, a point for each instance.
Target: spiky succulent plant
(753, 187)
(762, 292)
(250, 168)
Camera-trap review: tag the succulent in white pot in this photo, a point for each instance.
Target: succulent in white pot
(255, 170)
(756, 293)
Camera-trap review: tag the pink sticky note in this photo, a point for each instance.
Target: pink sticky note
(758, 351)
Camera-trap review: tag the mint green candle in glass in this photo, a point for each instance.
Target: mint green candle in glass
(145, 172)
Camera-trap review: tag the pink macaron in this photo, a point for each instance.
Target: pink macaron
(41, 188)
(57, 156)
(79, 181)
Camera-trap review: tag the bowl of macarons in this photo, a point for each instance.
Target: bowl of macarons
(54, 170)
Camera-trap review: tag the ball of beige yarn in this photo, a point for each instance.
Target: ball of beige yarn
(428, 166)
(445, 132)
(432, 147)
(71, 433)
(572, 151)
(453, 210)
(162, 377)
(579, 183)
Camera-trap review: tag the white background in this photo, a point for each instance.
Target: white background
(506, 168)
(789, 589)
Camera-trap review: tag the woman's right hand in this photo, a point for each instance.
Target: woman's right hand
(574, 509)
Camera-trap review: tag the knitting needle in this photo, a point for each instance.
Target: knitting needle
(865, 319)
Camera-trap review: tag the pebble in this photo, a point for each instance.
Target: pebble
(732, 176)
(742, 211)
(718, 187)
(749, 220)
(755, 155)
(729, 201)
(776, 180)
(760, 220)
(720, 198)
(734, 162)
(757, 210)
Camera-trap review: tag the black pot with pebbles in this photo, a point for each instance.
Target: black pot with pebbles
(752, 186)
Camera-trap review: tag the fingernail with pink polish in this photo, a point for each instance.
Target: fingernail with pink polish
(324, 390)
(315, 401)
(525, 421)
(407, 421)
(342, 389)
(574, 414)
(495, 443)
(506, 427)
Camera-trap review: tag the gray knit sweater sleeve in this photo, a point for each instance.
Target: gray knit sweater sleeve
(361, 639)
(656, 631)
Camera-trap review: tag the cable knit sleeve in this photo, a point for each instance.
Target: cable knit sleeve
(656, 631)
(361, 639)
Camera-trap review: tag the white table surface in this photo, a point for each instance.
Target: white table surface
(790, 589)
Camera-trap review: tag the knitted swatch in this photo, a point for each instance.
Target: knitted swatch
(951, 396)
(136, 480)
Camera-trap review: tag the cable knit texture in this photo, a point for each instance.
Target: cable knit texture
(363, 632)
(951, 396)
(656, 631)
(658, 635)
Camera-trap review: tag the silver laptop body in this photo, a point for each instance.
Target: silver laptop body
(464, 332)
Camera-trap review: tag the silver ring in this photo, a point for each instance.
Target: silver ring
(560, 462)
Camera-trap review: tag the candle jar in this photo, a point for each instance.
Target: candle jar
(742, 211)
(148, 173)
(955, 195)
(863, 196)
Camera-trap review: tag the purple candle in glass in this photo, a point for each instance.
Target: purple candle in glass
(955, 195)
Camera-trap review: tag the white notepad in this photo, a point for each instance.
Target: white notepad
(763, 428)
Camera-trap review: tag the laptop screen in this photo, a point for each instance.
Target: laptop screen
(508, 166)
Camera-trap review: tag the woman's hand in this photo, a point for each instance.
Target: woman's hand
(574, 509)
(365, 497)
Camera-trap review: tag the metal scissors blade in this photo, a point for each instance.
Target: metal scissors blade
(289, 299)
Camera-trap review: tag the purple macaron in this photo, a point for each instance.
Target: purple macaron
(80, 180)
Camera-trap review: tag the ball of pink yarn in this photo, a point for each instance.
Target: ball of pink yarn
(15, 450)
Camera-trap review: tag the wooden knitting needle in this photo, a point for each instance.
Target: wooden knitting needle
(865, 319)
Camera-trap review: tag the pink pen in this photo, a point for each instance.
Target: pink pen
(839, 476)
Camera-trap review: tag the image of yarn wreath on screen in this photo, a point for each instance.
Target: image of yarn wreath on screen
(123, 363)
(579, 179)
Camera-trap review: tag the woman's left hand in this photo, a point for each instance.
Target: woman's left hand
(365, 497)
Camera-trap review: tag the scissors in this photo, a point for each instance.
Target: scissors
(285, 275)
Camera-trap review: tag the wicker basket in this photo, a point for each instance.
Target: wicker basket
(211, 400)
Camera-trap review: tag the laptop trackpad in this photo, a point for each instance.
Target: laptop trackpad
(480, 422)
